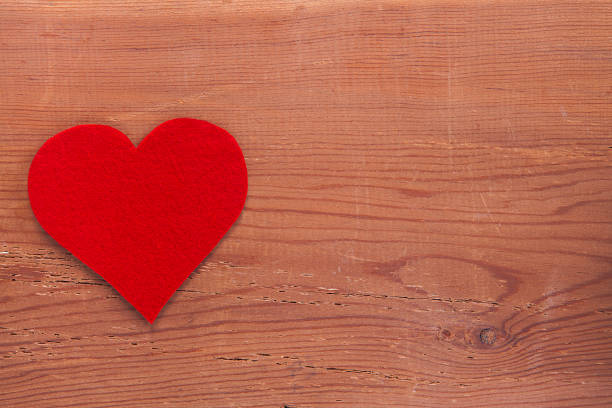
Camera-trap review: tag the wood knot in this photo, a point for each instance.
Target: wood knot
(487, 336)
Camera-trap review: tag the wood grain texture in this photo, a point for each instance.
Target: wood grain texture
(429, 213)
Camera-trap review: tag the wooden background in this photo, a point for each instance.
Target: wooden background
(428, 221)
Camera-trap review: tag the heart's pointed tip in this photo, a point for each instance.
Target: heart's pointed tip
(149, 315)
(149, 318)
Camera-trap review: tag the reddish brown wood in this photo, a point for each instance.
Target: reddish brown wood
(429, 212)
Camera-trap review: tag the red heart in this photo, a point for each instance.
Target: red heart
(143, 218)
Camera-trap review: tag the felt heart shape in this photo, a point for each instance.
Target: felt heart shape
(142, 217)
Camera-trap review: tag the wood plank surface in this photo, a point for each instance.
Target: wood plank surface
(429, 219)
